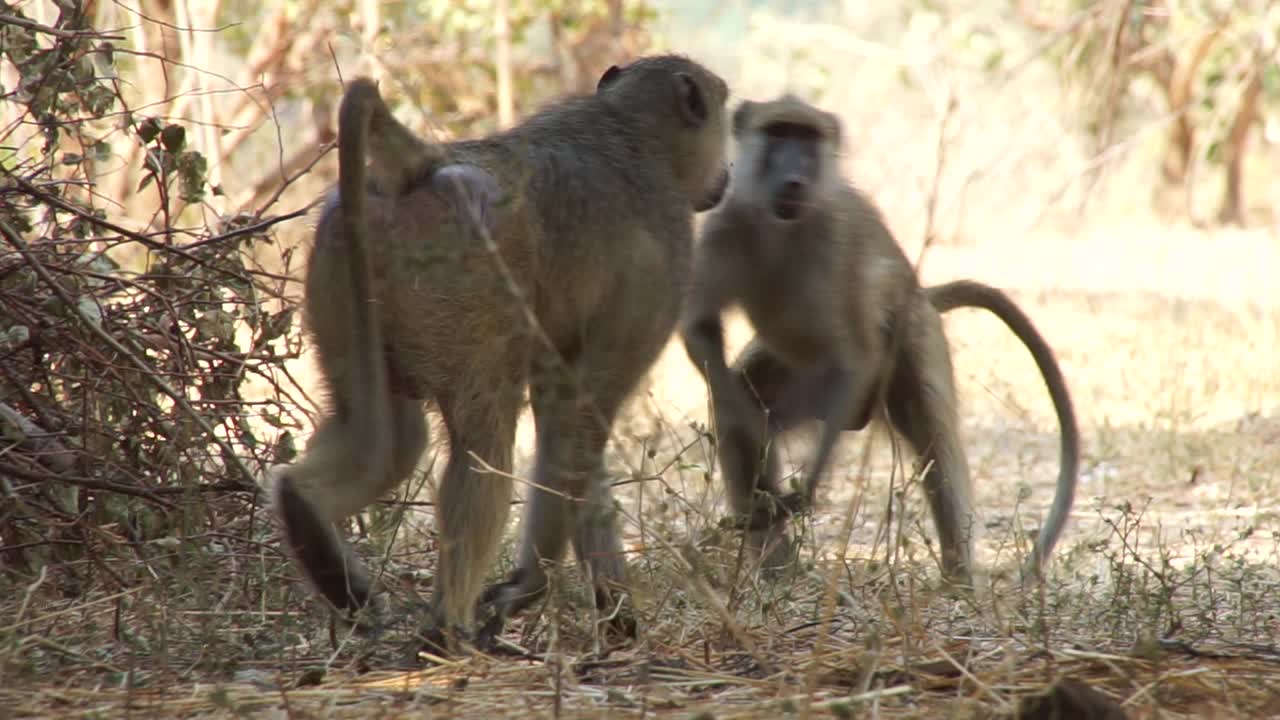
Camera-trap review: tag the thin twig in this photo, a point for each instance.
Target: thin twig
(147, 371)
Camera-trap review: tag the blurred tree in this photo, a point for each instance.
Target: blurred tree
(1213, 63)
(235, 67)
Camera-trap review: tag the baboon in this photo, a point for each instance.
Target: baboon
(843, 329)
(589, 204)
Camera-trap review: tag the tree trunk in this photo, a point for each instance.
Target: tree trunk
(1177, 159)
(502, 33)
(1232, 210)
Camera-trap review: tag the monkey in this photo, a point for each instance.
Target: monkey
(587, 206)
(844, 332)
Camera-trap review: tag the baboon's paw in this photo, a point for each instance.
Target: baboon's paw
(769, 511)
(622, 628)
(504, 600)
(435, 641)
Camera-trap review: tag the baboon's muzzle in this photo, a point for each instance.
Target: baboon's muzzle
(790, 200)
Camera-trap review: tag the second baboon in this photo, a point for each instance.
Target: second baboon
(420, 288)
(843, 330)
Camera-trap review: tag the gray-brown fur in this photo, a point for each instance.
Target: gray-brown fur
(596, 232)
(844, 331)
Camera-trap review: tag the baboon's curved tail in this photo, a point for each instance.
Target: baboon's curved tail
(355, 452)
(354, 444)
(360, 103)
(968, 293)
(367, 131)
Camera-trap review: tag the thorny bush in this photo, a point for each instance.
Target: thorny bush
(127, 350)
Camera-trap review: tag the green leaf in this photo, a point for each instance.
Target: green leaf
(192, 169)
(148, 129)
(174, 138)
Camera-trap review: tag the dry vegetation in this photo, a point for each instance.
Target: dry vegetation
(174, 600)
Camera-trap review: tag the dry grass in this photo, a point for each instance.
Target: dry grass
(1165, 595)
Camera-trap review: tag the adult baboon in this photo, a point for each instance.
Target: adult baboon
(841, 323)
(589, 204)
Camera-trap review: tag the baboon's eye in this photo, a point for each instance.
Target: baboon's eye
(792, 131)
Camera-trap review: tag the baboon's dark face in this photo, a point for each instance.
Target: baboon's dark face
(791, 167)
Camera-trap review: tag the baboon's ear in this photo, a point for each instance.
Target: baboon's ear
(741, 115)
(608, 77)
(689, 99)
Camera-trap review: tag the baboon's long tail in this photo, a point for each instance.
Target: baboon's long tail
(357, 452)
(968, 293)
(367, 131)
(371, 412)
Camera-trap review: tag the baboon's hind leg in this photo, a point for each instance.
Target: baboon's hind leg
(472, 504)
(571, 438)
(597, 544)
(922, 407)
(335, 479)
(782, 397)
(574, 404)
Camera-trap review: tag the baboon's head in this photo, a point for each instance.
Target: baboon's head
(786, 156)
(684, 103)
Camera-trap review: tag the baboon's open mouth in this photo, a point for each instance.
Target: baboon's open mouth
(789, 199)
(787, 208)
